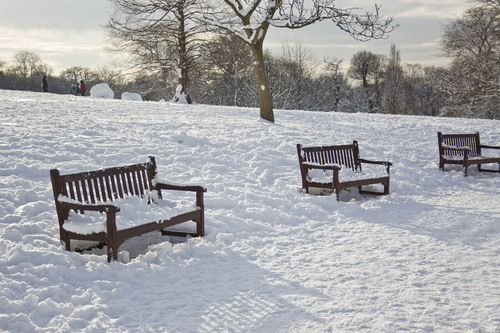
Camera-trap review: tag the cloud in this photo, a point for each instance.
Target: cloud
(420, 28)
(58, 14)
(69, 33)
(59, 48)
(63, 33)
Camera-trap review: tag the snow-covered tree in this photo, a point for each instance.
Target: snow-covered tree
(77, 73)
(473, 41)
(393, 97)
(250, 20)
(295, 67)
(333, 66)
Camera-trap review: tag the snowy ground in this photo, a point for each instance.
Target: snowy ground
(425, 258)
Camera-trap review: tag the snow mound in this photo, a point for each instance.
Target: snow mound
(102, 90)
(127, 96)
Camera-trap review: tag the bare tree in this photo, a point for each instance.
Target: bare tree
(29, 69)
(228, 68)
(161, 35)
(368, 67)
(251, 19)
(76, 73)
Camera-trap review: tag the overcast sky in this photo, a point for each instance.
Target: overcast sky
(66, 33)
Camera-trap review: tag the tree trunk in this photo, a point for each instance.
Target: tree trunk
(265, 97)
(182, 92)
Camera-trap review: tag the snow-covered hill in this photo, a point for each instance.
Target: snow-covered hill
(425, 258)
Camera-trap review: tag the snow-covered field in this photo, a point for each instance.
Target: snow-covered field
(425, 258)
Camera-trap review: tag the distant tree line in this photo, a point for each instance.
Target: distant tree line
(220, 71)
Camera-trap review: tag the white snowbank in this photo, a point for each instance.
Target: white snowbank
(127, 96)
(102, 90)
(424, 258)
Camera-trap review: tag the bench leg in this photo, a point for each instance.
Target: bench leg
(200, 227)
(386, 188)
(67, 242)
(112, 252)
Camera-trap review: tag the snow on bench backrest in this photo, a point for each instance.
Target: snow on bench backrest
(107, 184)
(468, 141)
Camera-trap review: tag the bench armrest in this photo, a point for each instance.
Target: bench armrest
(387, 163)
(321, 166)
(177, 187)
(97, 208)
(489, 147)
(110, 211)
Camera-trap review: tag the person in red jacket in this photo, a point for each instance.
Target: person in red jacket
(83, 89)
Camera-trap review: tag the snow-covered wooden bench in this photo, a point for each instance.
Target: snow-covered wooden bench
(114, 204)
(339, 167)
(464, 150)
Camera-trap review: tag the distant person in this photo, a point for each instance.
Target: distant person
(45, 85)
(76, 88)
(83, 89)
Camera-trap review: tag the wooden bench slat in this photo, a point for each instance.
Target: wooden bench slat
(96, 189)
(123, 184)
(102, 190)
(109, 191)
(84, 191)
(142, 186)
(347, 158)
(119, 186)
(71, 191)
(91, 191)
(112, 185)
(134, 182)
